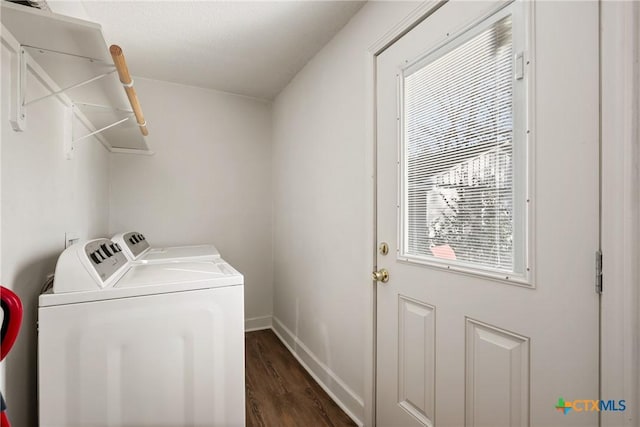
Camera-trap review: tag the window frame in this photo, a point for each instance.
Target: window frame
(522, 166)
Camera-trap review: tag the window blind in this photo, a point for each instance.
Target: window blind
(458, 146)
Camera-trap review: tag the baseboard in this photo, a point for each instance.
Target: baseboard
(257, 323)
(344, 397)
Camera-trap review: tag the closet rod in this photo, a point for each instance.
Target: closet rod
(127, 82)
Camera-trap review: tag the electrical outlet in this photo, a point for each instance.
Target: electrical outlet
(70, 238)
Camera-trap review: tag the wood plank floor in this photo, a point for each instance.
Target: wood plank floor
(279, 390)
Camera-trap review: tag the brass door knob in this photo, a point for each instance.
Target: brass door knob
(381, 275)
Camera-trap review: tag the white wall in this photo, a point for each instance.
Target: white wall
(320, 206)
(209, 181)
(43, 196)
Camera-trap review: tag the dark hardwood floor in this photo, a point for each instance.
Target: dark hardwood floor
(279, 390)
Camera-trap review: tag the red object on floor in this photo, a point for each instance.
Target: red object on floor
(11, 320)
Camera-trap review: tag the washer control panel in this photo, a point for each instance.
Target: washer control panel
(136, 242)
(105, 256)
(89, 265)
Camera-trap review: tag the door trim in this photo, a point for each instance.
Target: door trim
(620, 198)
(620, 209)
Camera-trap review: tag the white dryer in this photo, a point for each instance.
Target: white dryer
(123, 344)
(136, 248)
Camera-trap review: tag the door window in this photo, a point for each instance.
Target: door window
(464, 199)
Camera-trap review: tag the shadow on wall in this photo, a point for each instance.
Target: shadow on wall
(21, 392)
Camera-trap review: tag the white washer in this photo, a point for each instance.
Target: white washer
(123, 344)
(136, 248)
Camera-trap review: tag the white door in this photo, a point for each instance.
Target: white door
(487, 195)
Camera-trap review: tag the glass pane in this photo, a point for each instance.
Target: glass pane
(458, 133)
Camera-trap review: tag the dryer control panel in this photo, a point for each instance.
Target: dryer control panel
(136, 243)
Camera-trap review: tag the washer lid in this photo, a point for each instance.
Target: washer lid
(180, 253)
(150, 279)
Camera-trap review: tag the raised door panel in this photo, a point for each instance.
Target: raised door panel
(497, 377)
(416, 359)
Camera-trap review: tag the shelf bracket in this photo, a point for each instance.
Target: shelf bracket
(101, 129)
(58, 92)
(68, 132)
(19, 119)
(70, 141)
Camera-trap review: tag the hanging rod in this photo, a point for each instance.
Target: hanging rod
(127, 82)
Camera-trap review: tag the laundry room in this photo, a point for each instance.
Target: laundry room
(230, 189)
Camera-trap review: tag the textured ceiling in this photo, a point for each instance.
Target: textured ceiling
(248, 48)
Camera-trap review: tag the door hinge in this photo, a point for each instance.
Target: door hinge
(599, 272)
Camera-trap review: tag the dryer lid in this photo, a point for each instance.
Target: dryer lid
(179, 253)
(179, 273)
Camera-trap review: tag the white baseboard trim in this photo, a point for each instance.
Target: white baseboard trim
(257, 323)
(344, 397)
